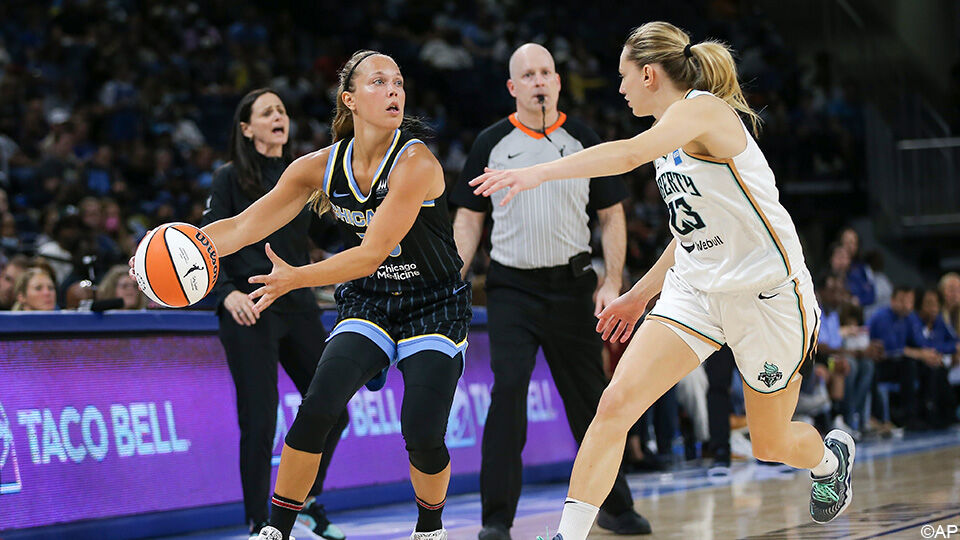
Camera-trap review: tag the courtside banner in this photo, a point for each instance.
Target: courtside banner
(105, 426)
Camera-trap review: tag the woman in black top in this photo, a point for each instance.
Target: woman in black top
(289, 332)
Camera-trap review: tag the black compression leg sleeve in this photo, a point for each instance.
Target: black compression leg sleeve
(348, 361)
(429, 385)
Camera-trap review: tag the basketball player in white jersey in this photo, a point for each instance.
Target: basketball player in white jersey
(734, 272)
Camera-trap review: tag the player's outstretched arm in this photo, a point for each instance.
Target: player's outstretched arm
(272, 211)
(681, 123)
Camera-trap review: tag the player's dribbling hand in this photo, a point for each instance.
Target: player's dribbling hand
(516, 180)
(618, 319)
(279, 282)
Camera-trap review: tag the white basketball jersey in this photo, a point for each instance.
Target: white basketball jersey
(732, 232)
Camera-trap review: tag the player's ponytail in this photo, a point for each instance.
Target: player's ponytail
(707, 65)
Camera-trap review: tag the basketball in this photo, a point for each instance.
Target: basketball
(176, 265)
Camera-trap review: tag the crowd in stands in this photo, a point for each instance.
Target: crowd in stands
(114, 115)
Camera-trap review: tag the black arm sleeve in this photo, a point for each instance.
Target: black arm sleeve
(479, 157)
(605, 191)
(220, 206)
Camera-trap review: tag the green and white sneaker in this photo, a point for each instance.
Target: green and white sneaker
(832, 494)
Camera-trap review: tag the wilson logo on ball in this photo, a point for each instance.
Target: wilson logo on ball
(211, 252)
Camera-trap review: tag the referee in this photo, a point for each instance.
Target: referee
(540, 283)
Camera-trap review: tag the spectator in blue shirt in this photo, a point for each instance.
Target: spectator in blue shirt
(939, 404)
(896, 327)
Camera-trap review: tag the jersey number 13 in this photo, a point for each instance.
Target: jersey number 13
(682, 218)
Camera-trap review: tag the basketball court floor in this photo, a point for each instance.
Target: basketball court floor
(903, 488)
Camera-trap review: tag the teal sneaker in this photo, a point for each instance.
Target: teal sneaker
(314, 517)
(831, 495)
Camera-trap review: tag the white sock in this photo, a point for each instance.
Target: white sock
(827, 466)
(577, 519)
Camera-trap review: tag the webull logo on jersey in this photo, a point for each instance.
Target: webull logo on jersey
(9, 468)
(702, 245)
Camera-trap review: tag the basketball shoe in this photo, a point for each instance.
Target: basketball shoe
(314, 517)
(832, 494)
(439, 534)
(271, 533)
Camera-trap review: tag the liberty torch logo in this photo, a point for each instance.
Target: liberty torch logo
(770, 375)
(9, 470)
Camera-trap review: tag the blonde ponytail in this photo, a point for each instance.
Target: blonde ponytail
(709, 65)
(319, 202)
(718, 75)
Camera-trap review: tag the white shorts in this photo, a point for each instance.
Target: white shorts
(771, 331)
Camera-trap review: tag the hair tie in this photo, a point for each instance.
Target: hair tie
(687, 52)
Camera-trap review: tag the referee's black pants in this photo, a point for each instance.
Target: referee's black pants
(528, 309)
(296, 341)
(720, 367)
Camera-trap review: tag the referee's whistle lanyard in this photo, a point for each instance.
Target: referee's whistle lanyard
(543, 129)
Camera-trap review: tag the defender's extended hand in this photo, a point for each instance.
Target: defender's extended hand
(516, 180)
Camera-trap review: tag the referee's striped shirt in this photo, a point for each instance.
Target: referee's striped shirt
(541, 227)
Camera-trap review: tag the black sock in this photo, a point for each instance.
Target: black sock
(429, 516)
(283, 514)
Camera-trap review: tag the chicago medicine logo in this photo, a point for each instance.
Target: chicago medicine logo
(9, 468)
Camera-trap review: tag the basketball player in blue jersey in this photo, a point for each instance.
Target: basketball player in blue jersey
(734, 272)
(402, 300)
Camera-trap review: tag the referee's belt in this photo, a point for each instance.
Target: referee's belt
(578, 266)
